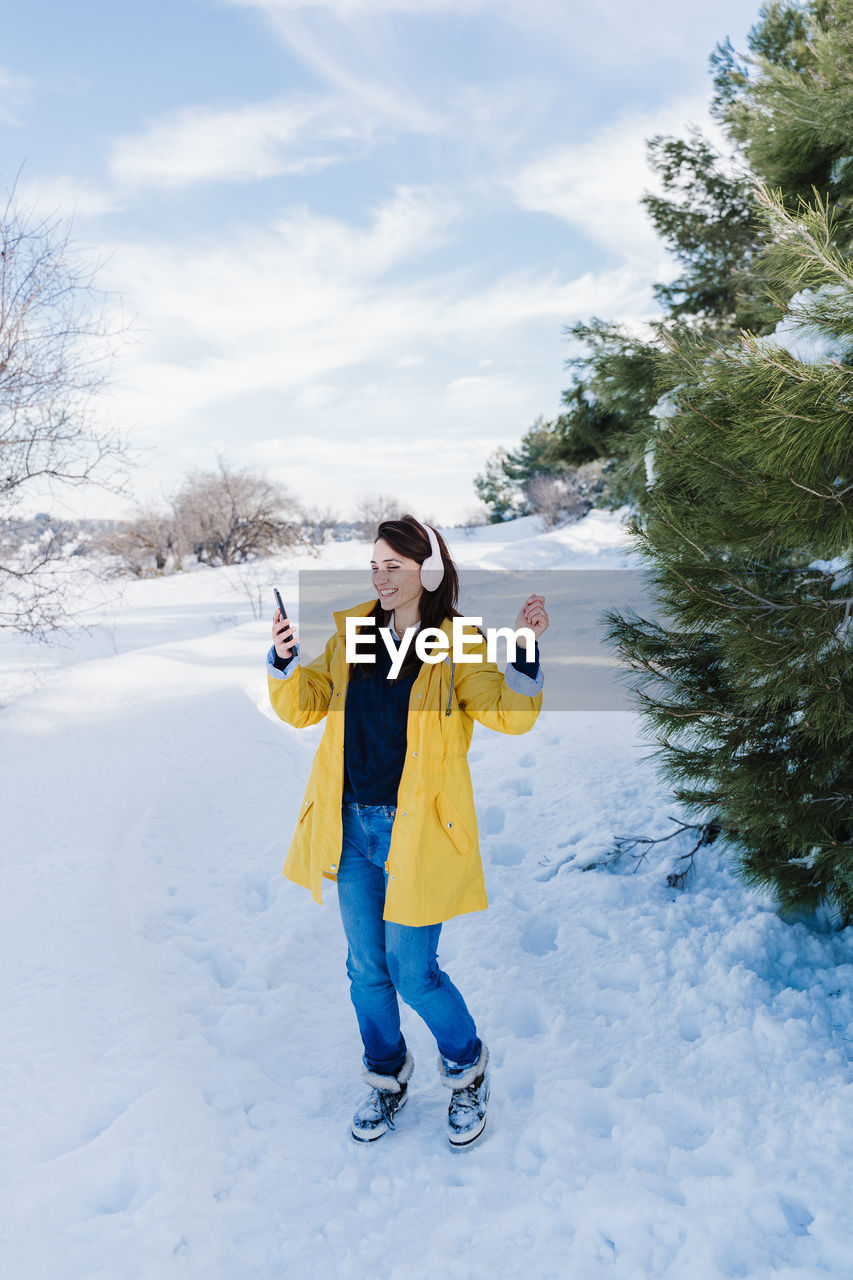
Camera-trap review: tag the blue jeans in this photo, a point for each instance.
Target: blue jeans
(385, 960)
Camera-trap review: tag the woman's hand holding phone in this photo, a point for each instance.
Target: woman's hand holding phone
(283, 635)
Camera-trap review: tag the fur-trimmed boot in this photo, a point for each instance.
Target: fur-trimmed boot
(387, 1095)
(466, 1115)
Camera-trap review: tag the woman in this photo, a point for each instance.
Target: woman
(389, 811)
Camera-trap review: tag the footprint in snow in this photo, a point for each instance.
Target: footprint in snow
(219, 965)
(257, 895)
(615, 979)
(599, 1075)
(593, 1115)
(636, 1083)
(118, 1187)
(539, 935)
(688, 1130)
(797, 1216)
(690, 1030)
(507, 854)
(518, 1081)
(598, 928)
(522, 1016)
(494, 820)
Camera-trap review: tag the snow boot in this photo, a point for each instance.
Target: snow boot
(387, 1095)
(466, 1115)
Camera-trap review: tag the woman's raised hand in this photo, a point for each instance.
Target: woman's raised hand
(283, 635)
(532, 614)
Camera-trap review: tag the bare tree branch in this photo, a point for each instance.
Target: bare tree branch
(56, 344)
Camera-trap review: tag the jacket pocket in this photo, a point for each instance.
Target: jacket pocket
(452, 823)
(306, 809)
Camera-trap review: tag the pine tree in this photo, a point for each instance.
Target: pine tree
(504, 485)
(707, 217)
(787, 108)
(608, 407)
(606, 417)
(788, 105)
(748, 535)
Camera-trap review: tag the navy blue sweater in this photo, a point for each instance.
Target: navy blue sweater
(375, 732)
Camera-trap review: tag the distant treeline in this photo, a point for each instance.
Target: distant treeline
(78, 536)
(230, 516)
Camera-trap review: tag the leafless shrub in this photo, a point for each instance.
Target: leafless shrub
(229, 516)
(256, 581)
(55, 346)
(371, 510)
(564, 496)
(473, 519)
(319, 525)
(145, 546)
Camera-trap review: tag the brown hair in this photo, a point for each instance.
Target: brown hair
(408, 538)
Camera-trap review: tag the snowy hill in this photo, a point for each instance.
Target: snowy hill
(671, 1093)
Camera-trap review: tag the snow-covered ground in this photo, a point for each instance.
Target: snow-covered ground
(671, 1090)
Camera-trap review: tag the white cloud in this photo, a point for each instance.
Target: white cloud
(314, 398)
(278, 308)
(596, 185)
(414, 220)
(364, 48)
(67, 196)
(249, 327)
(259, 140)
(292, 348)
(607, 34)
(309, 316)
(361, 60)
(423, 464)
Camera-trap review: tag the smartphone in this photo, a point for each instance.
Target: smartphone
(283, 611)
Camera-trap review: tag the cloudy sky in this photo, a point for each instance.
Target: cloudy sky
(349, 236)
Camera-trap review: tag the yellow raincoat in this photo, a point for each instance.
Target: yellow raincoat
(435, 870)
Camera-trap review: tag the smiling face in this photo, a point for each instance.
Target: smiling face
(396, 579)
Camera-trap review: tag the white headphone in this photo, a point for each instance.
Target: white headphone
(432, 569)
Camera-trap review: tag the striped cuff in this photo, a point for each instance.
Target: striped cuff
(279, 672)
(520, 683)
